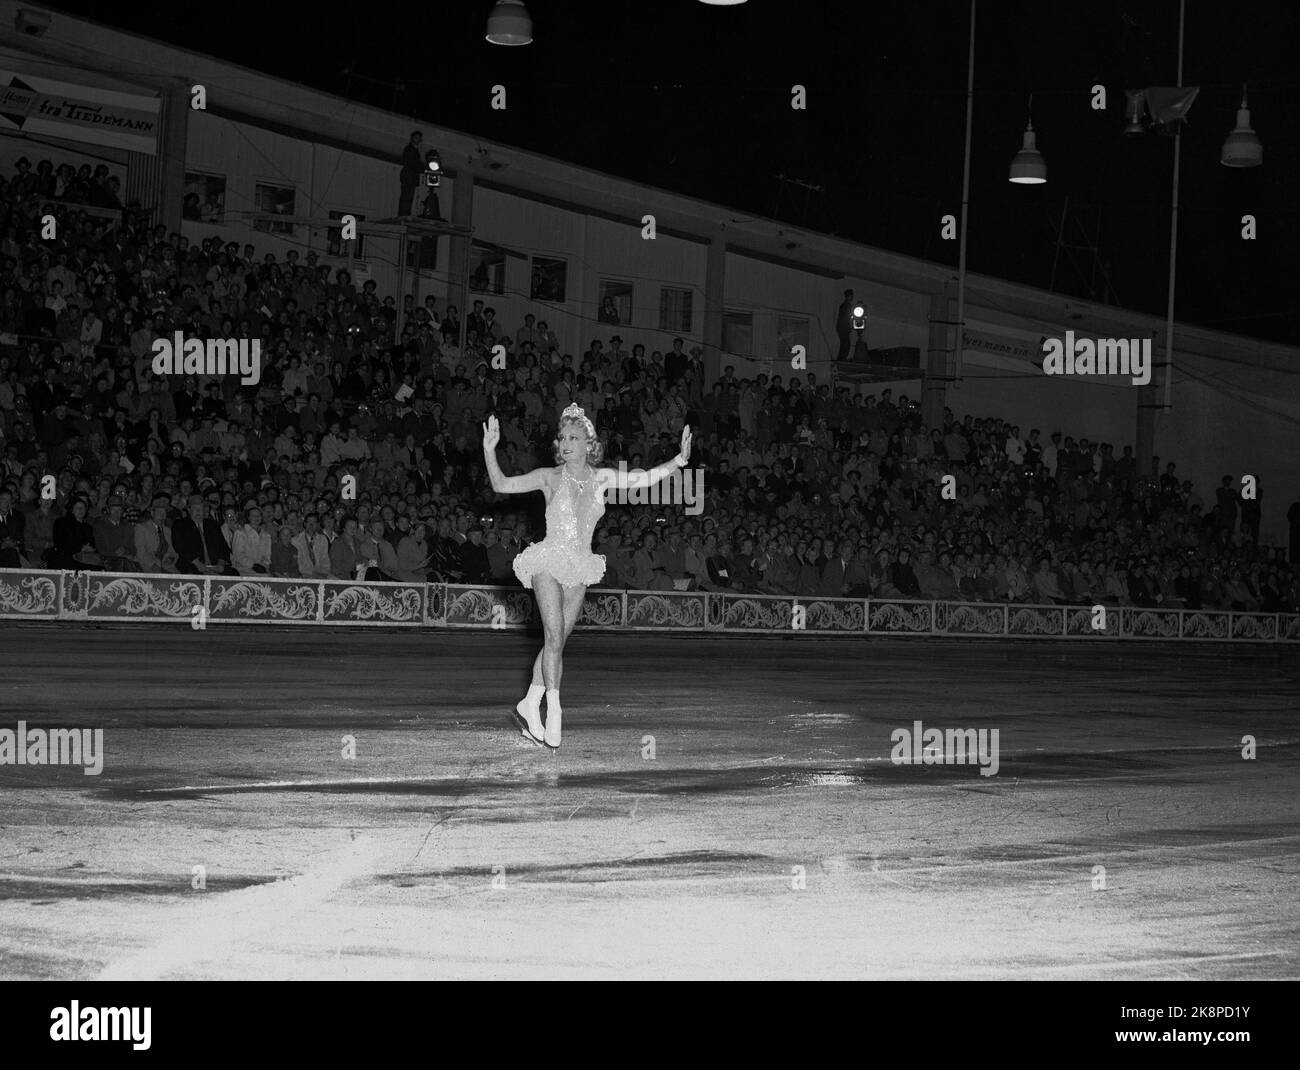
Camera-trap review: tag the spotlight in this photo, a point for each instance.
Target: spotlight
(1028, 167)
(859, 318)
(509, 24)
(1136, 102)
(432, 168)
(1241, 148)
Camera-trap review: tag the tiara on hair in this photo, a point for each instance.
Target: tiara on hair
(574, 412)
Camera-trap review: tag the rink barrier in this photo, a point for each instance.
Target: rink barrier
(38, 594)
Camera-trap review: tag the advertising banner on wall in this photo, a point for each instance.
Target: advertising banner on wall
(30, 104)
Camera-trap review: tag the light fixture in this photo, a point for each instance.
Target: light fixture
(509, 24)
(859, 317)
(1241, 148)
(1136, 99)
(1028, 167)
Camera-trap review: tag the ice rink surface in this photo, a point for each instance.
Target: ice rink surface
(720, 808)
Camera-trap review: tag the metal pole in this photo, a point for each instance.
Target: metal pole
(400, 321)
(1173, 240)
(965, 201)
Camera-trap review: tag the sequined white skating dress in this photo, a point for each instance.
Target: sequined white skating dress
(571, 518)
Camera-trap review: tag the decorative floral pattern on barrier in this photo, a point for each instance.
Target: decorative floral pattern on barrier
(476, 605)
(834, 614)
(1036, 620)
(141, 597)
(1205, 624)
(900, 616)
(602, 609)
(29, 596)
(662, 609)
(752, 612)
(1254, 626)
(1151, 623)
(44, 594)
(378, 602)
(278, 600)
(968, 618)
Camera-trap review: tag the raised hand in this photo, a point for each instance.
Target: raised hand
(686, 442)
(491, 434)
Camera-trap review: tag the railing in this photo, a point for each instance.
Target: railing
(32, 594)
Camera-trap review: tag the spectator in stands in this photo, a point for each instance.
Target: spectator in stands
(284, 555)
(251, 547)
(12, 527)
(376, 548)
(115, 538)
(1046, 587)
(902, 577)
(198, 542)
(74, 541)
(154, 551)
(40, 516)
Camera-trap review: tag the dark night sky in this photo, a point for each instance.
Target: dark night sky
(696, 99)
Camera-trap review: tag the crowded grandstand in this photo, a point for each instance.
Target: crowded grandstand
(810, 488)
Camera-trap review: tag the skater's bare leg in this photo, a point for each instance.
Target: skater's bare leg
(550, 605)
(573, 598)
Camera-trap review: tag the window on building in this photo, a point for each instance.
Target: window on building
(273, 200)
(422, 253)
(549, 278)
(791, 331)
(615, 302)
(334, 243)
(204, 198)
(738, 333)
(487, 272)
(675, 310)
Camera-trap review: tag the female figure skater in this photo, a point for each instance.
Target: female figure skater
(560, 567)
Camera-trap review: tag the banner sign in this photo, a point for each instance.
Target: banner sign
(33, 105)
(1003, 345)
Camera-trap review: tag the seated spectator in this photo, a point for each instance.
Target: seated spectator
(115, 538)
(413, 555)
(74, 540)
(474, 558)
(346, 560)
(284, 555)
(376, 547)
(200, 547)
(1046, 587)
(13, 525)
(902, 577)
(153, 544)
(251, 548)
(38, 534)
